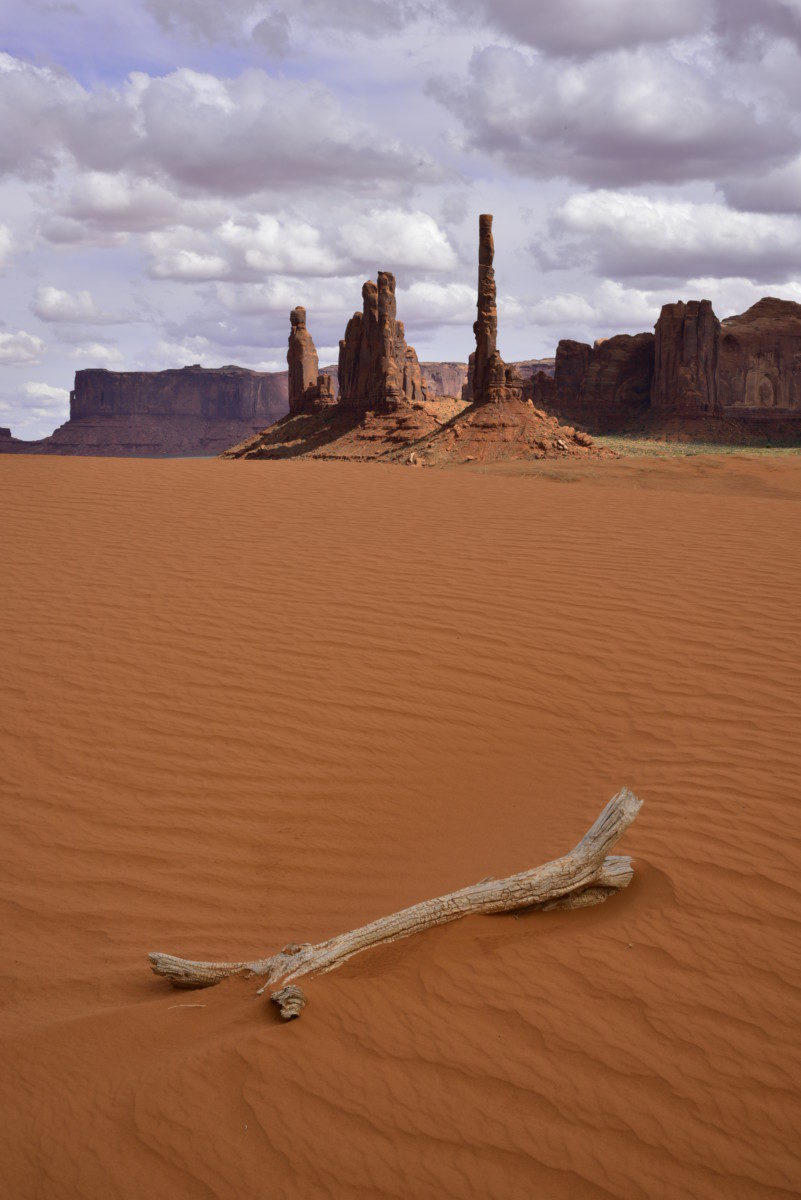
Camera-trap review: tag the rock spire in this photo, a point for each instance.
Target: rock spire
(378, 372)
(308, 390)
(486, 325)
(489, 379)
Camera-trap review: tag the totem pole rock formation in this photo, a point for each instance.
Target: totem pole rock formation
(309, 391)
(489, 380)
(486, 325)
(378, 372)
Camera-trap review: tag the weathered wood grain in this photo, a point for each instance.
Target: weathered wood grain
(587, 875)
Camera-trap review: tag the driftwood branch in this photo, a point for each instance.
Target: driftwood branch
(589, 874)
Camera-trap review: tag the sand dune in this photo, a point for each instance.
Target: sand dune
(250, 703)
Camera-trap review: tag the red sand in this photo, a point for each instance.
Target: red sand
(249, 703)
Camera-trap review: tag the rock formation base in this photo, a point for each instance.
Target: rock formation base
(434, 433)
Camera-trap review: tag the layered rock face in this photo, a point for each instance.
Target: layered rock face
(747, 367)
(600, 386)
(182, 412)
(444, 379)
(377, 371)
(686, 359)
(527, 368)
(572, 361)
(227, 393)
(489, 380)
(759, 361)
(619, 375)
(309, 391)
(617, 381)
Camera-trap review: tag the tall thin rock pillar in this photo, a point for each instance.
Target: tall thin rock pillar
(489, 379)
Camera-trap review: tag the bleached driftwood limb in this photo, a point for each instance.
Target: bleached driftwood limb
(290, 1001)
(587, 875)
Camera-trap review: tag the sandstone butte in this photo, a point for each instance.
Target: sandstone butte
(190, 411)
(384, 410)
(741, 373)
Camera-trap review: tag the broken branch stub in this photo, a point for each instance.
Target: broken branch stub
(588, 875)
(290, 1001)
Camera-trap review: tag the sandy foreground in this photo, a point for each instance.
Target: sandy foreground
(253, 703)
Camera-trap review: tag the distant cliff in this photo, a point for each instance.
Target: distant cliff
(745, 369)
(191, 411)
(748, 367)
(225, 394)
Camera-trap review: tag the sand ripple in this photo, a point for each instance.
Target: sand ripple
(253, 703)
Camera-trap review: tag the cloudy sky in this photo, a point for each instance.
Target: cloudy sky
(177, 174)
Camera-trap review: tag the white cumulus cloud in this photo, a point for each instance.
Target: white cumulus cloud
(42, 399)
(395, 238)
(629, 117)
(96, 354)
(585, 27)
(54, 305)
(20, 348)
(203, 133)
(251, 246)
(632, 235)
(6, 245)
(169, 259)
(265, 244)
(330, 298)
